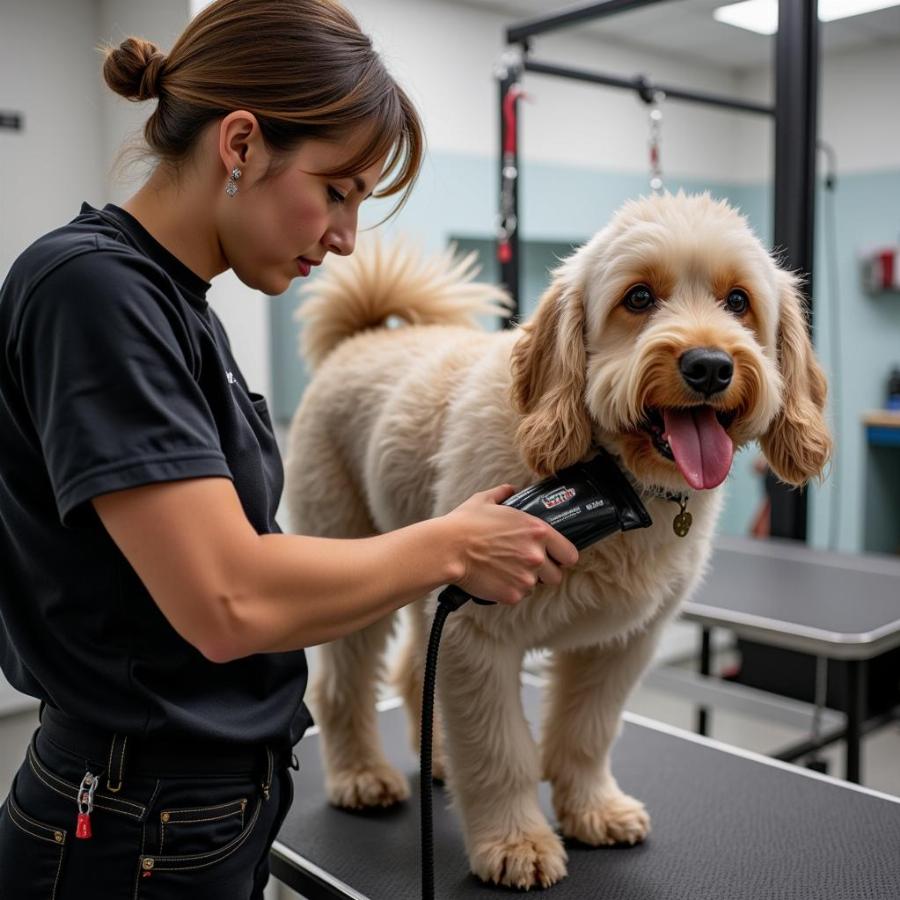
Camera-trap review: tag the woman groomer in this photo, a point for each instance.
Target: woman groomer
(146, 594)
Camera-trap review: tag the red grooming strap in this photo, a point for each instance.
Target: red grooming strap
(509, 117)
(887, 269)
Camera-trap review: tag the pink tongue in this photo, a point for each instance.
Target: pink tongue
(701, 446)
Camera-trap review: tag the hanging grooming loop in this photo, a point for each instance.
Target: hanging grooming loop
(654, 98)
(507, 221)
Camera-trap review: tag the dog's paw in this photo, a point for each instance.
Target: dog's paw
(535, 859)
(378, 785)
(620, 820)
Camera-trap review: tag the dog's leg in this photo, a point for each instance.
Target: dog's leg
(587, 693)
(493, 764)
(408, 678)
(323, 499)
(343, 696)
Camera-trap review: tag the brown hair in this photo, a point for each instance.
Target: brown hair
(302, 67)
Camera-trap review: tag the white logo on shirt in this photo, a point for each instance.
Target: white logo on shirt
(230, 377)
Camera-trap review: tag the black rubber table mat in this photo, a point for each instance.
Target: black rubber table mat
(724, 828)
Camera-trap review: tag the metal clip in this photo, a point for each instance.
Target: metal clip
(85, 802)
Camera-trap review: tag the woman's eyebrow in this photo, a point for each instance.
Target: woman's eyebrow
(361, 186)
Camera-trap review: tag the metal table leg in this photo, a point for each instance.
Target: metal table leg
(705, 667)
(857, 671)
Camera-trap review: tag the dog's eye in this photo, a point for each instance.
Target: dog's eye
(737, 302)
(639, 298)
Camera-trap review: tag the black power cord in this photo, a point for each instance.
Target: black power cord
(434, 642)
(585, 503)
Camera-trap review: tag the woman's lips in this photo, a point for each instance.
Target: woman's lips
(305, 264)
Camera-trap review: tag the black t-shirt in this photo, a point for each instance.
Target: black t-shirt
(115, 372)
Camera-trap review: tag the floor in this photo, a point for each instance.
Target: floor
(881, 753)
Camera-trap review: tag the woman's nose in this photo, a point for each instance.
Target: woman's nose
(340, 242)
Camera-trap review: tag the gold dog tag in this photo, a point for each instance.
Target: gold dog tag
(682, 523)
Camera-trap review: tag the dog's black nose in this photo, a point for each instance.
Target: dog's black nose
(706, 370)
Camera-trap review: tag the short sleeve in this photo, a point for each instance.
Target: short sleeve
(106, 369)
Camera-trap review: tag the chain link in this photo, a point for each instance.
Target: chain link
(656, 116)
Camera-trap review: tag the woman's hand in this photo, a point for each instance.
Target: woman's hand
(504, 552)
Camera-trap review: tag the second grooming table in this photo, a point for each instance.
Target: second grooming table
(837, 606)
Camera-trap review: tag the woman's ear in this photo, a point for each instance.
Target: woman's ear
(798, 443)
(239, 138)
(548, 382)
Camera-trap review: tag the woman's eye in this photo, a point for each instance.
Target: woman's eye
(639, 298)
(737, 302)
(335, 195)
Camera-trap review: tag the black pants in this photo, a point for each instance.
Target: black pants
(164, 834)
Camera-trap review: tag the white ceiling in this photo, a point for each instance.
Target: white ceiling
(686, 29)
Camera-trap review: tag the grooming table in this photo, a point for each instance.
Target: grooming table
(831, 605)
(727, 825)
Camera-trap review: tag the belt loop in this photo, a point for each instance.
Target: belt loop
(267, 784)
(115, 758)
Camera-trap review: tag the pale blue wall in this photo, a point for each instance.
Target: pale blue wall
(562, 205)
(865, 211)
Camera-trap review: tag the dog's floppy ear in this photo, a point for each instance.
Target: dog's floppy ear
(797, 444)
(548, 382)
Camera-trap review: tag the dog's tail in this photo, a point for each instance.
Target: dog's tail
(379, 282)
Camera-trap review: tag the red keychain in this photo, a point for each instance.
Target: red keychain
(85, 805)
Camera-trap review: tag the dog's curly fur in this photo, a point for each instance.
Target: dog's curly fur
(400, 424)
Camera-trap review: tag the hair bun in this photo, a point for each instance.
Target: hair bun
(133, 68)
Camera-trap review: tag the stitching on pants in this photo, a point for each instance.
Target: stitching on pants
(71, 791)
(15, 814)
(152, 799)
(239, 804)
(217, 855)
(74, 787)
(188, 809)
(112, 746)
(62, 850)
(20, 820)
(137, 878)
(22, 814)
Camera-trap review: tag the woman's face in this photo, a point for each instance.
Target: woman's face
(277, 229)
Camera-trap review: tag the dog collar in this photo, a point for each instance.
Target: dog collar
(683, 520)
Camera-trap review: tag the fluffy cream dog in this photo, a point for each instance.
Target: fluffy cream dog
(670, 339)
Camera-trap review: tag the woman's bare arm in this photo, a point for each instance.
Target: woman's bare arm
(231, 592)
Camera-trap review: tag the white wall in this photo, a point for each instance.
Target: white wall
(444, 55)
(859, 96)
(161, 22)
(47, 72)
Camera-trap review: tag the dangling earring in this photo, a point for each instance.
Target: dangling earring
(231, 184)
